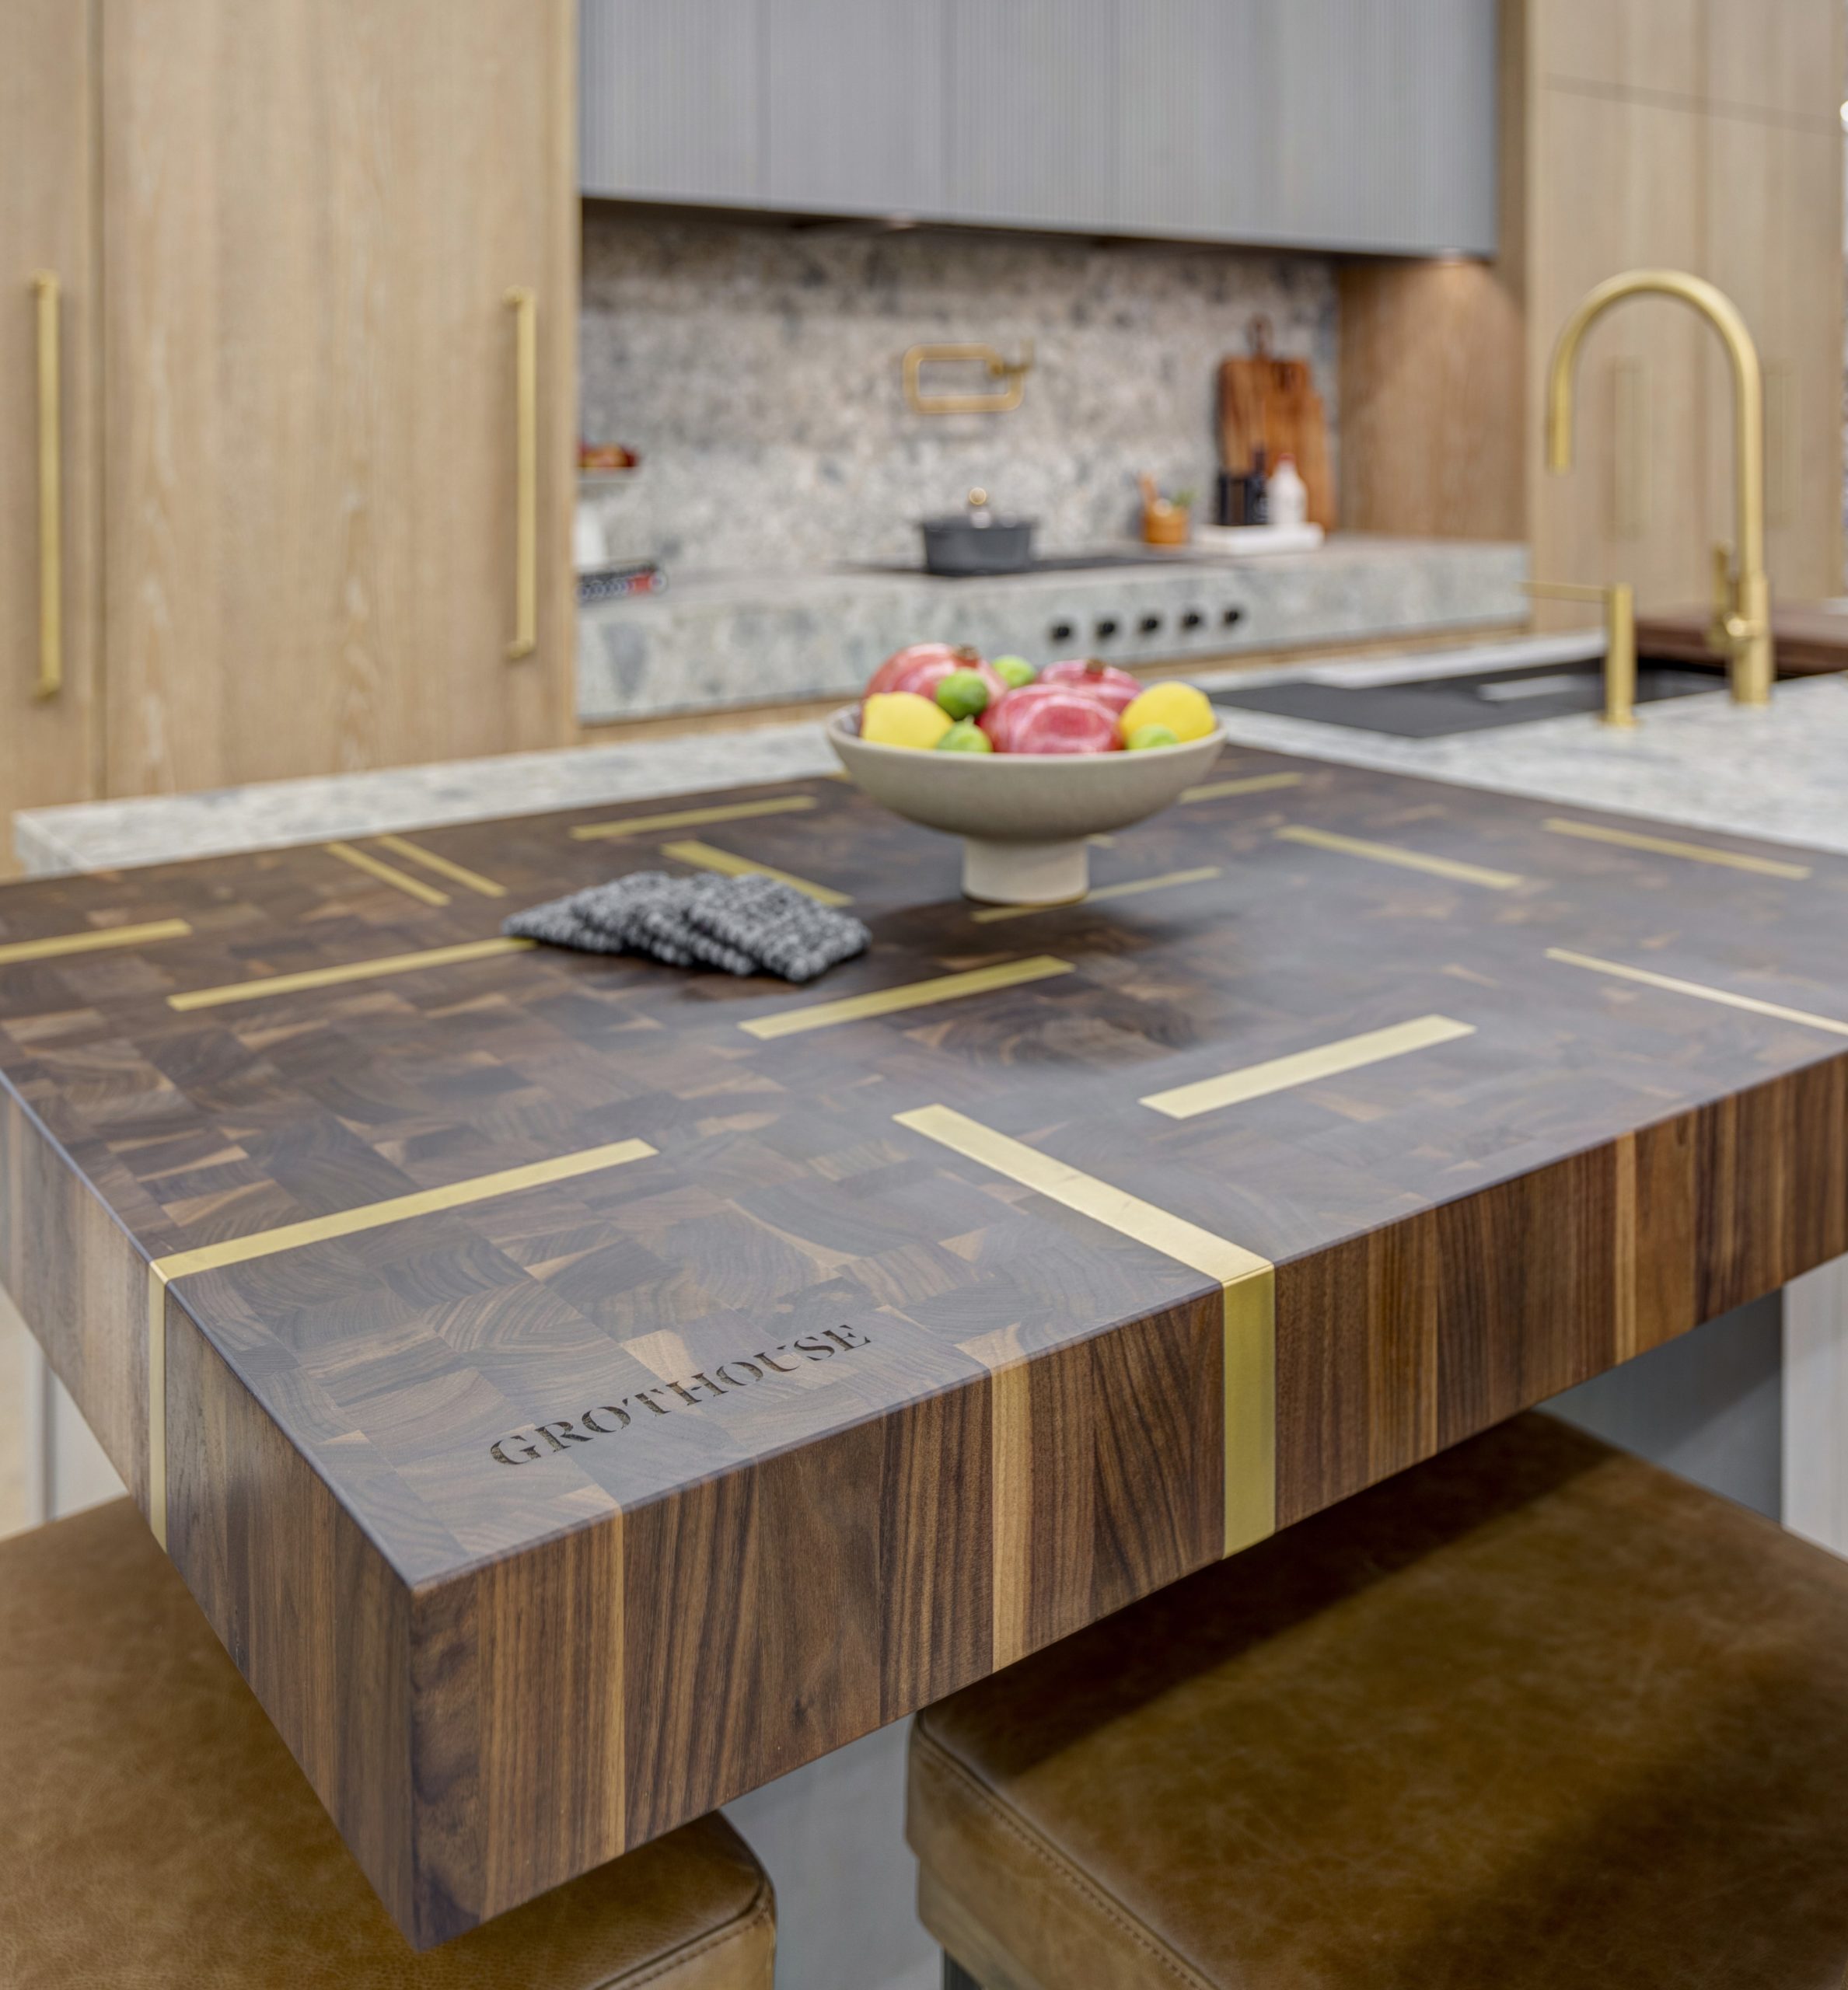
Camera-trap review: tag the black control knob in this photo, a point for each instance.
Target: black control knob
(1105, 628)
(1192, 619)
(1060, 632)
(1229, 617)
(1149, 624)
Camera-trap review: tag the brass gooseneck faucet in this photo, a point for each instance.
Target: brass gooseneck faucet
(1741, 625)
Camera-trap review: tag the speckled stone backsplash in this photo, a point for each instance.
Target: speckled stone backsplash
(756, 367)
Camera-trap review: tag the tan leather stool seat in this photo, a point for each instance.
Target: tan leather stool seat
(1535, 1715)
(155, 1832)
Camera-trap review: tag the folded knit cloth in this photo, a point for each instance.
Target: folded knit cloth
(745, 925)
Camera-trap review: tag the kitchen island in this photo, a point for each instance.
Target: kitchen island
(675, 1378)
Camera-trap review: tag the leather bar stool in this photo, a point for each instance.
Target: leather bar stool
(1535, 1715)
(157, 1834)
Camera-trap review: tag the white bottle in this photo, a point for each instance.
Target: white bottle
(1289, 495)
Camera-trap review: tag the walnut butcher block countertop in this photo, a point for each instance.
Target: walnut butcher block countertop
(578, 1390)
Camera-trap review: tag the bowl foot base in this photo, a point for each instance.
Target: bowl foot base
(1025, 873)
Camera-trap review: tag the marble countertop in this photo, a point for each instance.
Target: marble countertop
(1701, 762)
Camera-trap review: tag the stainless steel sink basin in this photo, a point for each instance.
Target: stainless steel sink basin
(1482, 701)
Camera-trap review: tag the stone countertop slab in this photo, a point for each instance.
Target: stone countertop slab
(718, 640)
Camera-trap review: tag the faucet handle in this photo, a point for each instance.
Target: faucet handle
(1723, 593)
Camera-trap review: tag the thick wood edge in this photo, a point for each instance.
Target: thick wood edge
(307, 1607)
(1395, 1345)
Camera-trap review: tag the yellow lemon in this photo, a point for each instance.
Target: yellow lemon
(1180, 707)
(902, 718)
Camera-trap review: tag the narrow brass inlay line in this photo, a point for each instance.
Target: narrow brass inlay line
(92, 942)
(1695, 853)
(1216, 790)
(1407, 860)
(457, 873)
(1348, 1053)
(1129, 890)
(386, 874)
(316, 1230)
(686, 818)
(329, 977)
(709, 859)
(1676, 986)
(1247, 1280)
(907, 995)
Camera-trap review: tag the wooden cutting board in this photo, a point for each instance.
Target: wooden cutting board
(1272, 403)
(1808, 638)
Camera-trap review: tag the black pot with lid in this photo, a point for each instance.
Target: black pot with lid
(977, 541)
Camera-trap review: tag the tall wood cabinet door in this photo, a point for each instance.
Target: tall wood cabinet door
(1774, 231)
(47, 406)
(1619, 185)
(314, 214)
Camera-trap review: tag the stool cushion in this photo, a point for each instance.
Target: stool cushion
(154, 1830)
(1535, 1715)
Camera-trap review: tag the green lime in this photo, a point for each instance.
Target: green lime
(1143, 737)
(966, 737)
(1015, 670)
(962, 694)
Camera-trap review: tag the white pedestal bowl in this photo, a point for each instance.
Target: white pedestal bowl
(1023, 817)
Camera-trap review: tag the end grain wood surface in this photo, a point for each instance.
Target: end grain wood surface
(577, 1405)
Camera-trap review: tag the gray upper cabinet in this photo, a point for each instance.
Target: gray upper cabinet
(1313, 123)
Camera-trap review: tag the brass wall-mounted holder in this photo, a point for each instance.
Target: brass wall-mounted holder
(1013, 371)
(1619, 603)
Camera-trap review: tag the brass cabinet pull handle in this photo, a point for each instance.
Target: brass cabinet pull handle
(524, 303)
(51, 641)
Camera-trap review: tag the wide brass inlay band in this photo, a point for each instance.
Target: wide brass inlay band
(330, 977)
(1676, 986)
(1132, 889)
(387, 874)
(1248, 1282)
(1396, 854)
(317, 1229)
(907, 995)
(457, 873)
(96, 942)
(708, 858)
(1695, 853)
(1348, 1053)
(687, 818)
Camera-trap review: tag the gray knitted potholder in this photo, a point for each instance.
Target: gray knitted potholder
(778, 927)
(743, 925)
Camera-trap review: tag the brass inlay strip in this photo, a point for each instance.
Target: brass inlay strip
(1676, 986)
(94, 942)
(686, 818)
(1215, 790)
(907, 995)
(1302, 1067)
(709, 859)
(1407, 859)
(1695, 853)
(457, 873)
(317, 1229)
(386, 874)
(1129, 890)
(1247, 1280)
(329, 977)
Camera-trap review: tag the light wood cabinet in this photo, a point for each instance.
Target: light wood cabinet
(297, 537)
(49, 738)
(313, 213)
(1702, 135)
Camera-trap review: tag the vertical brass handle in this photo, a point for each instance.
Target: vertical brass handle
(524, 303)
(51, 641)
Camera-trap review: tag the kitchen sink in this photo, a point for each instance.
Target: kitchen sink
(1482, 701)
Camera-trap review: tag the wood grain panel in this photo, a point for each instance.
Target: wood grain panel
(312, 215)
(547, 1502)
(48, 222)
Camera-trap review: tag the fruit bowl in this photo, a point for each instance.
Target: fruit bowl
(1023, 817)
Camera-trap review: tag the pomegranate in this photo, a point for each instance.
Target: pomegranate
(1116, 688)
(921, 667)
(1050, 718)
